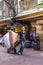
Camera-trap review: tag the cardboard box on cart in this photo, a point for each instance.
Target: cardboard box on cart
(14, 38)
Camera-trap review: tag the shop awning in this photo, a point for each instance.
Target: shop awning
(30, 14)
(5, 19)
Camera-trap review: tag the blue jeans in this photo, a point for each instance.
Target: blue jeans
(22, 46)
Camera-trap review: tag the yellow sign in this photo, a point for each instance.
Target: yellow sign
(17, 29)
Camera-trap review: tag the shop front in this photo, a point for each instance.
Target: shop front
(3, 26)
(34, 22)
(39, 32)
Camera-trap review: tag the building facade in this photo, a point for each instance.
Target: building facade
(20, 6)
(6, 9)
(6, 12)
(28, 11)
(31, 11)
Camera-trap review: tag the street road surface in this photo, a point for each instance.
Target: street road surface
(30, 57)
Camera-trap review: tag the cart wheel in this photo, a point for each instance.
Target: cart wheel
(8, 50)
(11, 50)
(14, 51)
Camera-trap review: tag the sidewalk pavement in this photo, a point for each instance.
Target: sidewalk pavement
(30, 57)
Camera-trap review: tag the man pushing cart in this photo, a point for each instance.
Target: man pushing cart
(11, 40)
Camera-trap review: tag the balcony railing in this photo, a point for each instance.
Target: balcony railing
(39, 5)
(36, 8)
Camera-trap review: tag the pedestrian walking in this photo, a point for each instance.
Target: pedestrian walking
(32, 35)
(22, 40)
